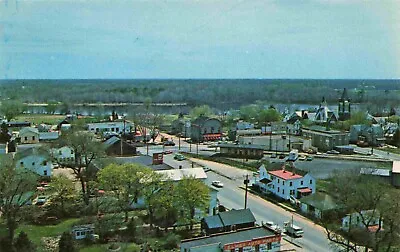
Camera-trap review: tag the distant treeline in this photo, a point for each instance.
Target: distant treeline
(216, 93)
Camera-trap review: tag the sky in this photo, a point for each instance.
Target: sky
(100, 39)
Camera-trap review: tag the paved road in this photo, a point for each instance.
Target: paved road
(232, 196)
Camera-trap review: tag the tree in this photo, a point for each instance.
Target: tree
(371, 202)
(66, 243)
(86, 150)
(23, 244)
(249, 112)
(16, 187)
(63, 192)
(4, 135)
(191, 194)
(126, 182)
(11, 108)
(268, 115)
(203, 110)
(51, 107)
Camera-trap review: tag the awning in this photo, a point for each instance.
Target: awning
(209, 137)
(304, 190)
(265, 180)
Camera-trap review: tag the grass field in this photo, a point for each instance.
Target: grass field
(38, 118)
(125, 247)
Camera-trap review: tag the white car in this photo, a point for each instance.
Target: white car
(217, 183)
(273, 226)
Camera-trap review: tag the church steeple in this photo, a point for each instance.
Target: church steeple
(344, 106)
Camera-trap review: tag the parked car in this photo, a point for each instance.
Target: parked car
(167, 152)
(272, 226)
(302, 157)
(273, 155)
(293, 230)
(333, 152)
(217, 183)
(309, 158)
(169, 143)
(179, 157)
(41, 200)
(281, 156)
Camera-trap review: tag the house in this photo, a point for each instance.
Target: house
(318, 204)
(117, 127)
(181, 126)
(63, 154)
(365, 219)
(83, 231)
(114, 146)
(285, 183)
(250, 239)
(242, 125)
(294, 129)
(205, 129)
(373, 135)
(228, 221)
(36, 160)
(242, 150)
(29, 135)
(396, 173)
(48, 136)
(324, 139)
(18, 124)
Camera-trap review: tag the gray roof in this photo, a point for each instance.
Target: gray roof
(376, 172)
(227, 238)
(31, 152)
(242, 146)
(321, 201)
(179, 174)
(29, 129)
(229, 218)
(143, 160)
(111, 141)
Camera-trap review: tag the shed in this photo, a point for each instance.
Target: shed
(114, 147)
(318, 204)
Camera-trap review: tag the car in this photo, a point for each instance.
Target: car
(217, 183)
(206, 169)
(167, 152)
(272, 226)
(309, 158)
(179, 157)
(169, 143)
(41, 200)
(273, 155)
(333, 152)
(302, 157)
(281, 156)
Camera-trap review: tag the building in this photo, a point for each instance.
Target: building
(29, 135)
(48, 136)
(242, 125)
(324, 114)
(372, 135)
(117, 127)
(370, 219)
(36, 160)
(324, 139)
(64, 154)
(344, 106)
(242, 150)
(318, 205)
(228, 221)
(205, 129)
(285, 183)
(249, 239)
(83, 231)
(114, 146)
(396, 173)
(18, 124)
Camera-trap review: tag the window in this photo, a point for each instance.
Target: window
(72, 152)
(283, 191)
(59, 152)
(112, 129)
(269, 245)
(44, 162)
(310, 181)
(26, 138)
(33, 138)
(212, 129)
(290, 183)
(117, 129)
(301, 182)
(45, 172)
(278, 189)
(278, 181)
(22, 164)
(33, 163)
(283, 182)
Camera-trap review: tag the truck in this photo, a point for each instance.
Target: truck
(293, 230)
(293, 155)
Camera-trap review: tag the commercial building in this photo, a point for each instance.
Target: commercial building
(325, 140)
(116, 127)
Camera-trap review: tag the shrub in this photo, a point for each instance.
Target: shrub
(66, 243)
(23, 244)
(172, 240)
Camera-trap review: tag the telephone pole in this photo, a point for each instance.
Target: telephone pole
(246, 182)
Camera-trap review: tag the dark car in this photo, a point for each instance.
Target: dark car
(169, 143)
(281, 156)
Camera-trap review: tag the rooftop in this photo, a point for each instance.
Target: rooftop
(286, 175)
(227, 238)
(321, 201)
(396, 167)
(179, 174)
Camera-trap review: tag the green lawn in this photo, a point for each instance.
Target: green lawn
(35, 232)
(38, 118)
(125, 247)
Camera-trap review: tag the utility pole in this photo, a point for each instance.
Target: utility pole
(246, 182)
(179, 140)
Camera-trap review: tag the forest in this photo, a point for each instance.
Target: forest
(221, 93)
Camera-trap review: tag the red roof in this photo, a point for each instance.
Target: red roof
(286, 175)
(374, 228)
(304, 190)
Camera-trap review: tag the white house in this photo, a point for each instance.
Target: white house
(83, 231)
(29, 135)
(116, 127)
(284, 183)
(63, 154)
(35, 160)
(365, 219)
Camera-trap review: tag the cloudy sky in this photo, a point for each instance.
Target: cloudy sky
(199, 39)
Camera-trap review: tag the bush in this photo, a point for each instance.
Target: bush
(66, 243)
(172, 240)
(23, 244)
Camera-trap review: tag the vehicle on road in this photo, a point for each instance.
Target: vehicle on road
(217, 183)
(273, 155)
(272, 226)
(309, 158)
(293, 155)
(302, 157)
(281, 156)
(169, 143)
(167, 152)
(179, 157)
(41, 200)
(333, 152)
(206, 169)
(293, 230)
